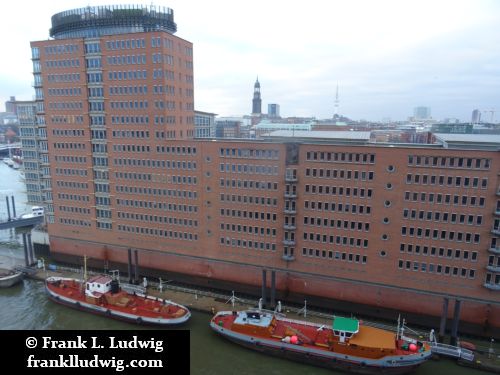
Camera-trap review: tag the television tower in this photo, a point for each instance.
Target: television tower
(336, 103)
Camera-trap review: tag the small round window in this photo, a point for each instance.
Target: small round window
(383, 253)
(388, 186)
(385, 220)
(387, 203)
(385, 237)
(391, 168)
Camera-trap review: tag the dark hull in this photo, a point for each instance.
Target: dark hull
(328, 363)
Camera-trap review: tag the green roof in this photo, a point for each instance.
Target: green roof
(346, 324)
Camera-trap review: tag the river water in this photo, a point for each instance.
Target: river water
(25, 307)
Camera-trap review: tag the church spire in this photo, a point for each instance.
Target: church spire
(257, 101)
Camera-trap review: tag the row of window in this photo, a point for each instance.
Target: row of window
(129, 120)
(339, 190)
(76, 210)
(72, 184)
(141, 104)
(65, 105)
(169, 134)
(335, 255)
(249, 168)
(248, 229)
(125, 44)
(248, 184)
(249, 153)
(448, 162)
(160, 104)
(165, 119)
(168, 74)
(159, 232)
(69, 146)
(249, 199)
(127, 75)
(66, 63)
(71, 172)
(128, 90)
(66, 119)
(439, 198)
(440, 234)
(156, 42)
(339, 240)
(340, 174)
(65, 77)
(174, 207)
(160, 58)
(246, 214)
(158, 219)
(166, 89)
(131, 148)
(247, 244)
(143, 134)
(59, 49)
(340, 157)
(126, 59)
(445, 217)
(174, 193)
(76, 222)
(436, 268)
(68, 132)
(441, 252)
(66, 91)
(341, 224)
(450, 181)
(338, 207)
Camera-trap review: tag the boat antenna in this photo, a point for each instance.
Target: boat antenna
(303, 310)
(85, 268)
(397, 332)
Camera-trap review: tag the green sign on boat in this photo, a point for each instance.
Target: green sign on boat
(345, 324)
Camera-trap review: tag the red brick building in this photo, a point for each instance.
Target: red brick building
(335, 217)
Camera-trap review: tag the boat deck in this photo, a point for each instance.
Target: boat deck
(121, 301)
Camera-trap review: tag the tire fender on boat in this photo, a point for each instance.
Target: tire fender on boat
(77, 304)
(139, 320)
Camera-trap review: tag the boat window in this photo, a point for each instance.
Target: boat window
(337, 333)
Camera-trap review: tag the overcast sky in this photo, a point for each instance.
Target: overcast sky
(386, 56)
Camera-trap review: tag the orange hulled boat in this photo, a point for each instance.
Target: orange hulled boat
(347, 345)
(103, 295)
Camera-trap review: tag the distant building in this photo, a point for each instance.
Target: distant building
(227, 128)
(265, 127)
(273, 110)
(476, 116)
(204, 124)
(422, 113)
(457, 128)
(11, 105)
(257, 100)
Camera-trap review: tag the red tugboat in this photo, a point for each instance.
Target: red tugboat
(103, 295)
(347, 345)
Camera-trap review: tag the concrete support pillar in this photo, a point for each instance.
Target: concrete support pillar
(25, 245)
(444, 317)
(273, 289)
(8, 207)
(136, 267)
(31, 253)
(13, 207)
(130, 266)
(456, 321)
(264, 287)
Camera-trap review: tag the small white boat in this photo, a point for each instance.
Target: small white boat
(9, 278)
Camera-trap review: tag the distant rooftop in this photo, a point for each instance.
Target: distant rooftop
(328, 136)
(470, 141)
(95, 21)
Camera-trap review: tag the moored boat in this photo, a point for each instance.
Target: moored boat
(9, 278)
(103, 295)
(347, 345)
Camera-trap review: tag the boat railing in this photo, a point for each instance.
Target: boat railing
(302, 322)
